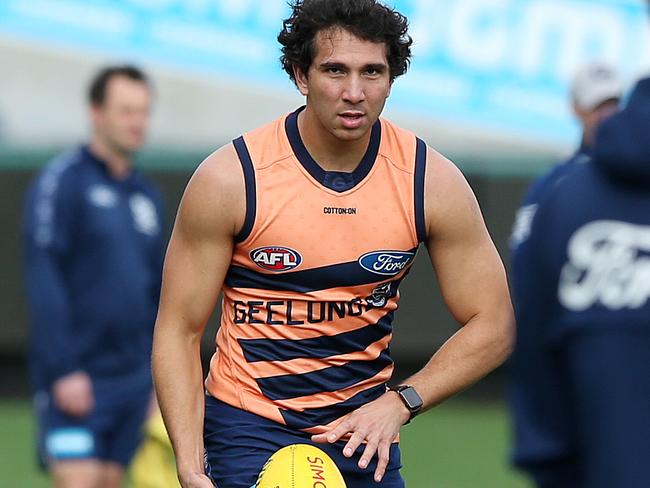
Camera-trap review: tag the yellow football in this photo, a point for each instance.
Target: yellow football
(300, 466)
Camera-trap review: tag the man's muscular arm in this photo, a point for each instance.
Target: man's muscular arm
(211, 213)
(473, 284)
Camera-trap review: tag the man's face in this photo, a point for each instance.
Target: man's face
(121, 122)
(347, 83)
(591, 118)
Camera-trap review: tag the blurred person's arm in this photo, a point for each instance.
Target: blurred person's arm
(537, 395)
(210, 215)
(49, 218)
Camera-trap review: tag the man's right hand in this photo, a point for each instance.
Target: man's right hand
(73, 394)
(195, 480)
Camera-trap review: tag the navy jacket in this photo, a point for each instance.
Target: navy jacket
(93, 249)
(536, 192)
(581, 368)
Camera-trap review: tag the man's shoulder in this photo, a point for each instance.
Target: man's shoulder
(570, 180)
(220, 171)
(61, 172)
(215, 197)
(404, 147)
(393, 134)
(553, 176)
(268, 143)
(538, 191)
(66, 162)
(576, 197)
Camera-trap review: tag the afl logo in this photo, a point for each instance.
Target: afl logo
(388, 263)
(274, 258)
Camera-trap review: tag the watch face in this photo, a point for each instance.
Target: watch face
(413, 400)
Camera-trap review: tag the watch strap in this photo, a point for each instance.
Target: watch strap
(413, 409)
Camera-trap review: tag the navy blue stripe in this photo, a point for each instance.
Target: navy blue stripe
(312, 417)
(334, 180)
(317, 347)
(333, 378)
(249, 181)
(420, 167)
(323, 278)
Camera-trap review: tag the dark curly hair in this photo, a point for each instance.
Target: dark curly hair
(367, 19)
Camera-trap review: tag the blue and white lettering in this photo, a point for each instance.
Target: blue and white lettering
(387, 263)
(608, 264)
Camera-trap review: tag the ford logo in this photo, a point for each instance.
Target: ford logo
(388, 263)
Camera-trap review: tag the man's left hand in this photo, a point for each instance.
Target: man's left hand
(376, 423)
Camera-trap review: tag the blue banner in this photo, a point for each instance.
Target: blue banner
(496, 65)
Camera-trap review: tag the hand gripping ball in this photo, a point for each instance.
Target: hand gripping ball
(300, 466)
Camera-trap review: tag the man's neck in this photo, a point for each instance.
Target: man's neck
(330, 152)
(117, 163)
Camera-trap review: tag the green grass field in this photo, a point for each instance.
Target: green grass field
(456, 445)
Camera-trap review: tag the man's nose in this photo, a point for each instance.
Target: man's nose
(354, 90)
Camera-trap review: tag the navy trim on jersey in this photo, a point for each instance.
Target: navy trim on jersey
(338, 181)
(333, 378)
(322, 278)
(316, 347)
(249, 181)
(420, 167)
(311, 417)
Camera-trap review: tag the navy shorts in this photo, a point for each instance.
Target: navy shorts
(111, 432)
(238, 443)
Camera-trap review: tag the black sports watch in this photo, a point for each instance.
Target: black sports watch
(410, 399)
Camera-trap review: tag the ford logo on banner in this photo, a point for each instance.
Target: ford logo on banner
(388, 263)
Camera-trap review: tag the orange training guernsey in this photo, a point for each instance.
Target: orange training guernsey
(313, 285)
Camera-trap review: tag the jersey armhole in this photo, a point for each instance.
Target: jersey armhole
(418, 193)
(249, 182)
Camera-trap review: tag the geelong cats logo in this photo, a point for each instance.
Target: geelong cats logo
(276, 258)
(608, 264)
(388, 263)
(380, 295)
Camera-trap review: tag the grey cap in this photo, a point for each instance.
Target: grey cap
(596, 83)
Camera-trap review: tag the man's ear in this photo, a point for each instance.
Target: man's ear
(94, 113)
(301, 80)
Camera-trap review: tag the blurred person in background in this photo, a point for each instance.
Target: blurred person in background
(581, 367)
(93, 239)
(596, 92)
(309, 224)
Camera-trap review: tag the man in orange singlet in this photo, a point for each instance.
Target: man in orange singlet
(308, 225)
